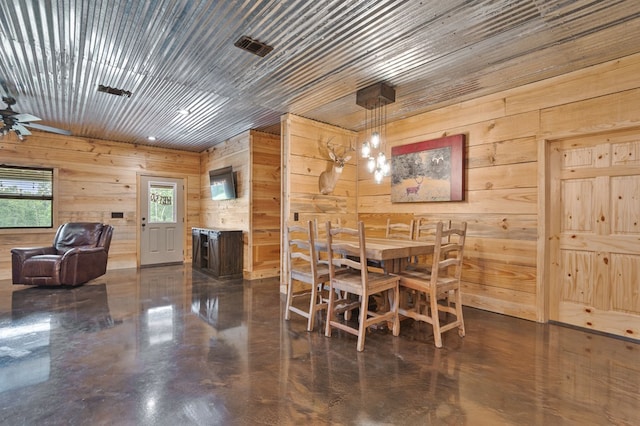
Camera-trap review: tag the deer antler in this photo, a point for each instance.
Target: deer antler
(332, 149)
(351, 148)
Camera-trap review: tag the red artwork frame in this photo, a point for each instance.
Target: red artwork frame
(428, 171)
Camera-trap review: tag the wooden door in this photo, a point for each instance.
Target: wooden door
(595, 229)
(162, 220)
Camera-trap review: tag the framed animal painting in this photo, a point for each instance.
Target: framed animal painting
(428, 171)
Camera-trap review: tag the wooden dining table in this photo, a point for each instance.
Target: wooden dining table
(394, 254)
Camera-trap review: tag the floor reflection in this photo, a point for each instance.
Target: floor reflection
(84, 308)
(220, 305)
(169, 345)
(24, 353)
(37, 316)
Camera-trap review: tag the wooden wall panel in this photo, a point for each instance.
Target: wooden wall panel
(255, 156)
(376, 223)
(504, 197)
(592, 82)
(507, 176)
(519, 150)
(498, 299)
(514, 201)
(95, 178)
(307, 157)
(227, 214)
(615, 111)
(462, 114)
(500, 205)
(264, 238)
(304, 158)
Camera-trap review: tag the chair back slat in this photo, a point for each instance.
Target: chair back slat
(350, 253)
(302, 250)
(448, 252)
(304, 267)
(401, 231)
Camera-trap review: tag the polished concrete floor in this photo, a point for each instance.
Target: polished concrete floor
(172, 346)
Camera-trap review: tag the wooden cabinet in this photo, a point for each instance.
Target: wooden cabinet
(218, 252)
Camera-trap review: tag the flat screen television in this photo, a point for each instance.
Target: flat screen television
(223, 185)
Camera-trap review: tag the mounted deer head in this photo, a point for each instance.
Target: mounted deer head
(329, 178)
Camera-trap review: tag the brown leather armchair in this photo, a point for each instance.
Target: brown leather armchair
(79, 254)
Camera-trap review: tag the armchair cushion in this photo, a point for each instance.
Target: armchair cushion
(79, 254)
(77, 235)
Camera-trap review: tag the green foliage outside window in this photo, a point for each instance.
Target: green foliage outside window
(162, 208)
(26, 197)
(25, 213)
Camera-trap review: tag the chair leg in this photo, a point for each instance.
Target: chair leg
(435, 318)
(460, 318)
(312, 307)
(287, 312)
(395, 303)
(362, 327)
(330, 309)
(420, 304)
(393, 300)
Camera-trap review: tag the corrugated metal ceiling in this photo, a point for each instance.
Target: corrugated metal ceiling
(174, 54)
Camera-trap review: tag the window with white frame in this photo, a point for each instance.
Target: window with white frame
(26, 197)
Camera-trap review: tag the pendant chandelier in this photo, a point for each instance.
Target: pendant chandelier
(374, 99)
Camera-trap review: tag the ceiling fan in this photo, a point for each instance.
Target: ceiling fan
(18, 122)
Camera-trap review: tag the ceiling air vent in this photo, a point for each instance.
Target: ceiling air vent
(253, 46)
(114, 91)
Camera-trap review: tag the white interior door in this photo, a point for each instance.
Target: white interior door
(595, 232)
(161, 220)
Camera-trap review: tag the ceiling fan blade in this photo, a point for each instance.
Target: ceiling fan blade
(48, 128)
(21, 129)
(25, 118)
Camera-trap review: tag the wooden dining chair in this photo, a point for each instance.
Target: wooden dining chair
(306, 268)
(400, 230)
(349, 275)
(321, 230)
(426, 229)
(441, 282)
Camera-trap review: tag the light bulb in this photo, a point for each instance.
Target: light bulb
(381, 159)
(371, 164)
(375, 139)
(366, 150)
(378, 175)
(386, 168)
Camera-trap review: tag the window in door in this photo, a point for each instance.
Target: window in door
(162, 203)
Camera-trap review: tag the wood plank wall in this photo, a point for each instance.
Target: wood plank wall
(264, 238)
(304, 158)
(507, 134)
(255, 156)
(95, 178)
(227, 214)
